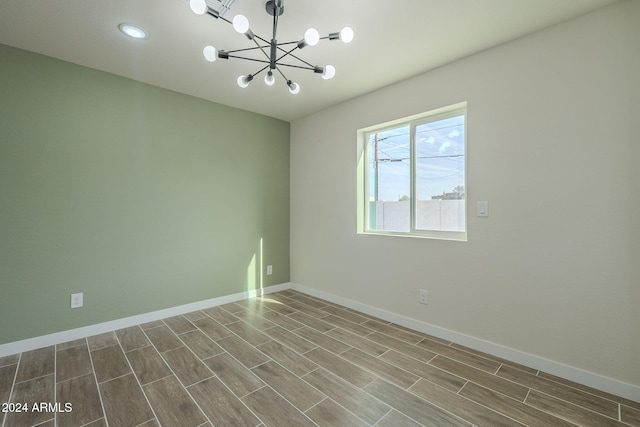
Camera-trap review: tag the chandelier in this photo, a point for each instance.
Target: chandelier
(274, 52)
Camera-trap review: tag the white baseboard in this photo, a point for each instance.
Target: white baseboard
(590, 379)
(609, 385)
(100, 328)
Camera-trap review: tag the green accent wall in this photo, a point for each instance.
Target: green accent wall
(139, 197)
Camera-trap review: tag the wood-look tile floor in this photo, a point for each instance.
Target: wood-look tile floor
(287, 359)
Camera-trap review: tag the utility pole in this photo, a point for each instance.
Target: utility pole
(376, 168)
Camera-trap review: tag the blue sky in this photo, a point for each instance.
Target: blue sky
(440, 159)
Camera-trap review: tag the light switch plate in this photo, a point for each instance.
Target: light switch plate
(483, 209)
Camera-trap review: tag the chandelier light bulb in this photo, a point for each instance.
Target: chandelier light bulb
(294, 88)
(199, 7)
(243, 81)
(346, 35)
(311, 37)
(241, 24)
(209, 53)
(269, 79)
(329, 72)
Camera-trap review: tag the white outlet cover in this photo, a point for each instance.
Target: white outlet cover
(77, 300)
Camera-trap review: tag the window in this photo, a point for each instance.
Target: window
(412, 179)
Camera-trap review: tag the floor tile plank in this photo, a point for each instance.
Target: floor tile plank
(288, 358)
(437, 376)
(220, 315)
(483, 378)
(109, 363)
(402, 334)
(200, 344)
(629, 415)
(246, 354)
(462, 407)
(107, 339)
(288, 385)
(148, 365)
(82, 394)
(379, 367)
(291, 340)
(240, 380)
(514, 409)
(282, 320)
(345, 314)
(36, 363)
(30, 392)
(257, 321)
(9, 360)
(220, 405)
(273, 410)
(590, 390)
(568, 411)
(563, 392)
(186, 365)
(413, 406)
(163, 338)
(7, 375)
(359, 329)
(179, 324)
(73, 362)
(212, 329)
(322, 340)
(396, 419)
(132, 338)
(403, 347)
(124, 402)
(173, 406)
(357, 341)
(355, 400)
(248, 333)
(341, 367)
(312, 322)
(329, 414)
(487, 365)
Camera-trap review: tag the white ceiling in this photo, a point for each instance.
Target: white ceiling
(394, 40)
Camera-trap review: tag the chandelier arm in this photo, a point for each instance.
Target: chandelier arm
(293, 56)
(287, 43)
(261, 70)
(261, 49)
(297, 66)
(261, 39)
(289, 53)
(282, 74)
(246, 49)
(250, 59)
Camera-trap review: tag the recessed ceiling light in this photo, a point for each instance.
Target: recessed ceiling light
(134, 31)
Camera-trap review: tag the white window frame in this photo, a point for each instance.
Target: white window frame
(363, 211)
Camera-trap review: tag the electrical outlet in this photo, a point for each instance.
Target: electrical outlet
(77, 300)
(269, 270)
(423, 296)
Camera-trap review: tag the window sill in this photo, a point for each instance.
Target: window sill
(431, 235)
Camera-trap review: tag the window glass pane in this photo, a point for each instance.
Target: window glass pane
(389, 169)
(440, 174)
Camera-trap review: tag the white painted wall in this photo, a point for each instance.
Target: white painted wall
(552, 116)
